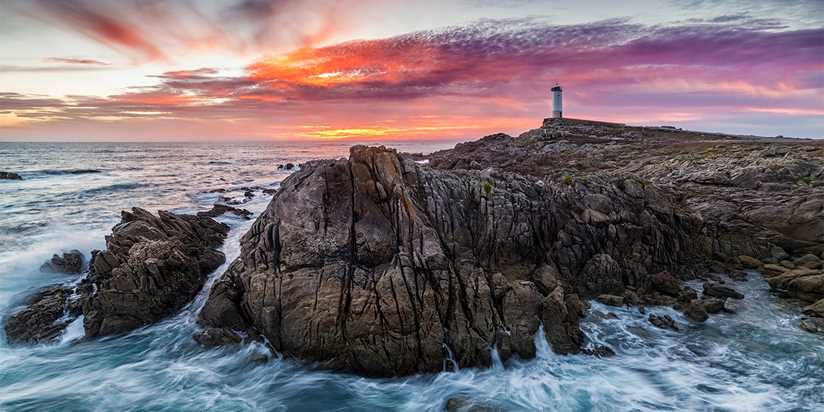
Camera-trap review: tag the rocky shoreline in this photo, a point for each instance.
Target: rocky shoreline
(384, 265)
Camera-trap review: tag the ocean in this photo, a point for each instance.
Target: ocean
(72, 194)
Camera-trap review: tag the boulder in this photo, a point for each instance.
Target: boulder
(771, 270)
(71, 263)
(721, 291)
(808, 288)
(713, 305)
(749, 262)
(815, 310)
(663, 322)
(695, 311)
(666, 283)
(809, 261)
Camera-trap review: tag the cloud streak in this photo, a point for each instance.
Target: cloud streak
(613, 69)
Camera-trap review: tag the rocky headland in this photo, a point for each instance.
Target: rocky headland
(383, 265)
(388, 264)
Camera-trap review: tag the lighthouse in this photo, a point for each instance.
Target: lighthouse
(557, 110)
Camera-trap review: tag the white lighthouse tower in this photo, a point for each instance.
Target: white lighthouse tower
(557, 109)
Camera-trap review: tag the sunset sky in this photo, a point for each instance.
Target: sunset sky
(306, 69)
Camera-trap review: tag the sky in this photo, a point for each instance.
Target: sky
(149, 70)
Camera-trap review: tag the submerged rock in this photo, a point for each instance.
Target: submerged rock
(71, 262)
(219, 209)
(663, 322)
(10, 176)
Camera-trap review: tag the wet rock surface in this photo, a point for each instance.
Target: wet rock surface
(152, 267)
(219, 209)
(71, 262)
(10, 176)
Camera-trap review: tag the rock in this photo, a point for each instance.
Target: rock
(219, 209)
(666, 283)
(720, 291)
(663, 322)
(808, 288)
(787, 264)
(375, 264)
(43, 319)
(812, 325)
(464, 404)
(10, 176)
(713, 305)
(611, 300)
(770, 270)
(749, 262)
(214, 337)
(778, 253)
(809, 261)
(730, 306)
(71, 262)
(599, 351)
(152, 267)
(695, 311)
(270, 191)
(815, 310)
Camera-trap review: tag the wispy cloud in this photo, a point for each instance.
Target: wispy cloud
(614, 68)
(69, 60)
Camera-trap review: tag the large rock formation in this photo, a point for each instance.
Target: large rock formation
(152, 267)
(381, 266)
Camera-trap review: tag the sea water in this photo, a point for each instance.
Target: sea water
(71, 195)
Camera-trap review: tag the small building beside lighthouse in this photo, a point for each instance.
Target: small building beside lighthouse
(557, 103)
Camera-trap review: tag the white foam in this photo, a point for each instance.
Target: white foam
(74, 331)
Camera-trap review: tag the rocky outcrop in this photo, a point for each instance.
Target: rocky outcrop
(71, 262)
(152, 267)
(382, 266)
(219, 209)
(10, 176)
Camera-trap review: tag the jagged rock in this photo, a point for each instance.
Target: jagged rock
(219, 209)
(663, 322)
(815, 310)
(10, 176)
(750, 262)
(151, 268)
(71, 262)
(720, 291)
(809, 261)
(376, 264)
(42, 319)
